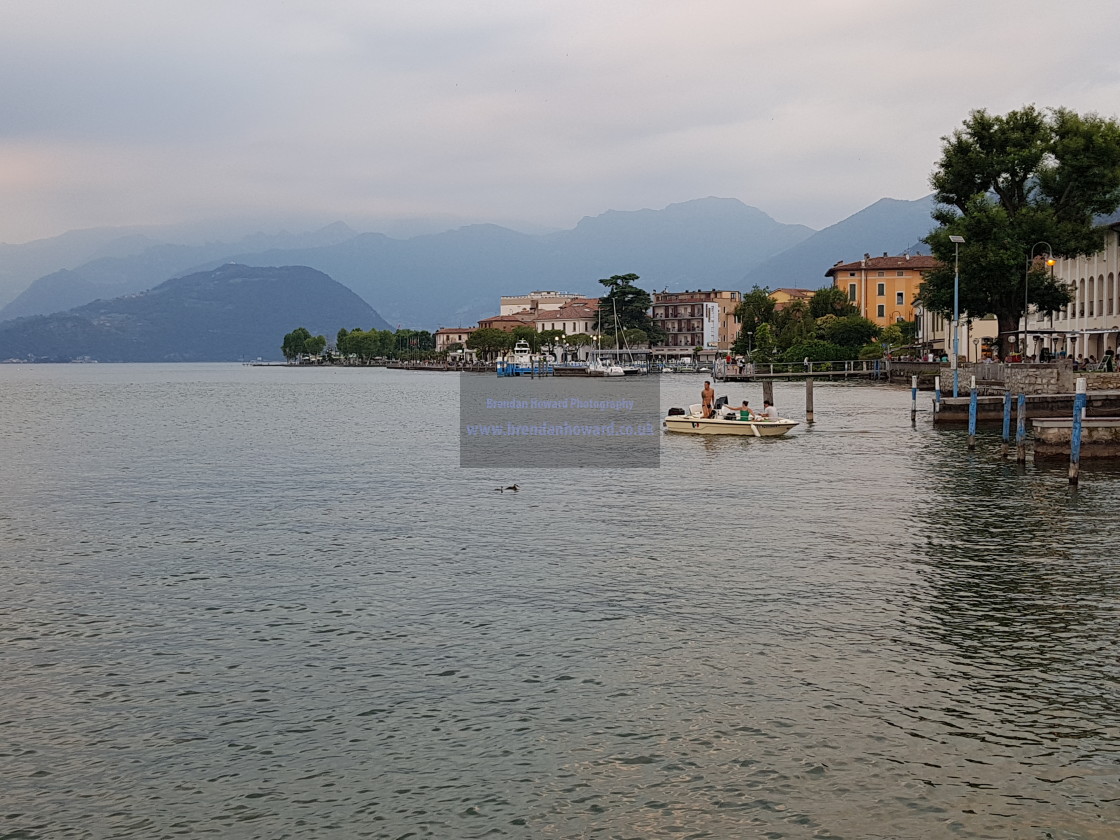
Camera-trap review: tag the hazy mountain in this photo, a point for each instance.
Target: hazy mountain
(21, 264)
(888, 225)
(231, 313)
(454, 277)
(131, 263)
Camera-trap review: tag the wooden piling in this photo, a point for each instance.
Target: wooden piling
(1079, 401)
(768, 390)
(1021, 430)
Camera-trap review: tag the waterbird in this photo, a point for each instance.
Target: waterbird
(513, 487)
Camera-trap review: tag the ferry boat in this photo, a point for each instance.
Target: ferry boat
(520, 362)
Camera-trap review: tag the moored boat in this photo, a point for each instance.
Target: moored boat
(725, 422)
(521, 362)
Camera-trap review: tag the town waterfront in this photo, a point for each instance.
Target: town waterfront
(267, 603)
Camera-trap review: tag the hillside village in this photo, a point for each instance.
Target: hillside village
(705, 324)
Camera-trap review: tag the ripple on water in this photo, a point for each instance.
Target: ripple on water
(230, 614)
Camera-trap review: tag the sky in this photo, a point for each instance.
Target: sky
(520, 112)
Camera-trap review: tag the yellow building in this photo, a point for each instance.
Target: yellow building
(783, 297)
(883, 288)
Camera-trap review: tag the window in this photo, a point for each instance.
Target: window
(899, 298)
(880, 274)
(880, 288)
(852, 292)
(900, 273)
(851, 274)
(881, 310)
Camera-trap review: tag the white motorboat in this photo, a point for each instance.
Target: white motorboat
(521, 361)
(725, 422)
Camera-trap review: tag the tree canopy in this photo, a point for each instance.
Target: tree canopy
(1027, 183)
(385, 344)
(488, 342)
(301, 342)
(793, 332)
(630, 303)
(831, 301)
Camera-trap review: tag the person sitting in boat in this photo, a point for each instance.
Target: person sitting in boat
(768, 410)
(745, 411)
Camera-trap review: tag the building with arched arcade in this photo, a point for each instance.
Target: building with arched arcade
(1090, 324)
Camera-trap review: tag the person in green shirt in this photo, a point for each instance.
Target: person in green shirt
(745, 412)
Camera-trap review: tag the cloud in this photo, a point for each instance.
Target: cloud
(125, 113)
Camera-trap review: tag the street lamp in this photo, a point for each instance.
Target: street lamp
(1027, 288)
(957, 242)
(975, 349)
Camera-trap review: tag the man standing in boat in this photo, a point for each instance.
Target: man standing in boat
(707, 397)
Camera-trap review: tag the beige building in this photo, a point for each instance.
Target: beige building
(704, 319)
(580, 315)
(976, 337)
(883, 288)
(535, 301)
(783, 297)
(1090, 325)
(446, 336)
(508, 323)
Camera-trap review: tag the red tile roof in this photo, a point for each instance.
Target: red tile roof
(572, 312)
(916, 262)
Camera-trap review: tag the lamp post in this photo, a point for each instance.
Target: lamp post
(975, 349)
(957, 242)
(1027, 288)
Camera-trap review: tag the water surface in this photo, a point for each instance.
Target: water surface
(267, 603)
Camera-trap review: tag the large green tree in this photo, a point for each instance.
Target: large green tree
(300, 341)
(1027, 182)
(630, 303)
(831, 301)
(488, 342)
(755, 309)
(794, 324)
(849, 331)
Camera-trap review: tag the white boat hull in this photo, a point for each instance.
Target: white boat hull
(692, 424)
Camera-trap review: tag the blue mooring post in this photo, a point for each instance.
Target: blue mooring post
(1079, 401)
(913, 399)
(1006, 447)
(972, 414)
(1021, 430)
(936, 394)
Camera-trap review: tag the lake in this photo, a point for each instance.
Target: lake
(267, 602)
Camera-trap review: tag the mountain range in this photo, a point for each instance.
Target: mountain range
(454, 277)
(230, 313)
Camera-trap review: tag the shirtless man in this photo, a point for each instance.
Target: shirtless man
(707, 397)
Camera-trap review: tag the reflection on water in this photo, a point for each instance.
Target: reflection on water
(252, 602)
